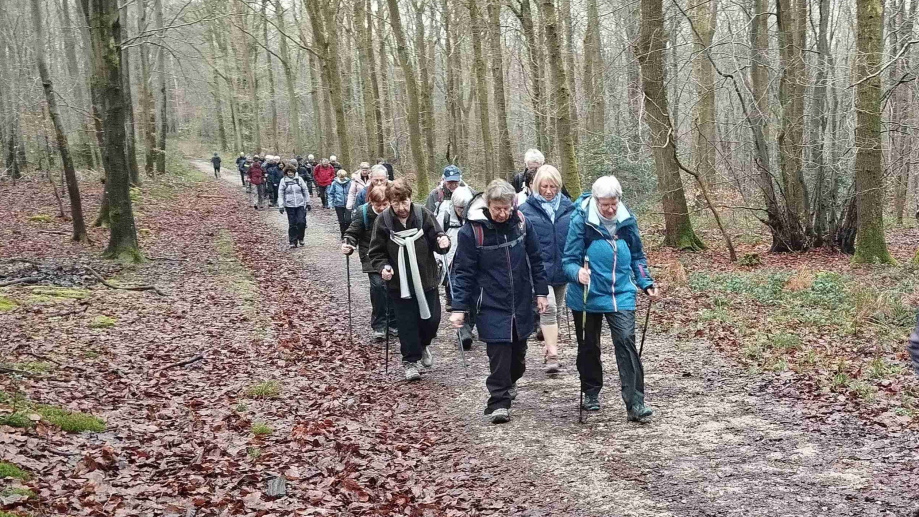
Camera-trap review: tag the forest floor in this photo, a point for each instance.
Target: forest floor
(276, 400)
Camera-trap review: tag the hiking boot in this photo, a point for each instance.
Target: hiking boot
(300, 243)
(427, 358)
(393, 332)
(379, 335)
(500, 416)
(552, 365)
(512, 392)
(591, 402)
(293, 245)
(638, 412)
(411, 371)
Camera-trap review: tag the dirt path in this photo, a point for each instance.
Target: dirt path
(719, 444)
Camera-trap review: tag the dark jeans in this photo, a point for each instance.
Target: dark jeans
(631, 373)
(296, 220)
(323, 195)
(273, 193)
(344, 218)
(379, 303)
(415, 334)
(507, 362)
(216, 171)
(242, 177)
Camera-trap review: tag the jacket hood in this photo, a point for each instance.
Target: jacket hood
(587, 205)
(477, 211)
(342, 180)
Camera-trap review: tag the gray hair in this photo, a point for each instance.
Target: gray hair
(533, 155)
(547, 172)
(378, 169)
(606, 187)
(461, 197)
(499, 190)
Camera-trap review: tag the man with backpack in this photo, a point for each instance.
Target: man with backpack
(452, 178)
(293, 198)
(305, 171)
(274, 174)
(216, 161)
(241, 167)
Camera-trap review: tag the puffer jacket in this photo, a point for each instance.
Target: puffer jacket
(256, 174)
(384, 252)
(273, 171)
(451, 224)
(293, 192)
(358, 183)
(913, 346)
(618, 267)
(552, 235)
(359, 232)
(323, 175)
(338, 192)
(505, 272)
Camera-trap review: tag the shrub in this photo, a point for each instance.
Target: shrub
(750, 260)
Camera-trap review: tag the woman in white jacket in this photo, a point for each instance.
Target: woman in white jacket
(359, 180)
(294, 198)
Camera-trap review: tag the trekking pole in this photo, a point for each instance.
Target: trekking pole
(459, 339)
(386, 315)
(644, 331)
(348, 271)
(584, 337)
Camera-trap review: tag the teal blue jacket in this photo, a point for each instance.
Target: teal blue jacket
(617, 263)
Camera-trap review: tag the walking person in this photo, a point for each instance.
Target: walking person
(333, 161)
(402, 248)
(550, 212)
(604, 257)
(256, 187)
(451, 178)
(377, 177)
(241, 167)
(382, 314)
(323, 174)
(293, 198)
(274, 175)
(913, 345)
(305, 171)
(216, 161)
(451, 220)
(359, 181)
(533, 159)
(498, 256)
(389, 170)
(338, 198)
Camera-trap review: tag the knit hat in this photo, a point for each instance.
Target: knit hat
(452, 173)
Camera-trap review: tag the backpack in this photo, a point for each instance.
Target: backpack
(480, 234)
(364, 214)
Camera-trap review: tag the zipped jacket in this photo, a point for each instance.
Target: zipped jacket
(293, 192)
(552, 235)
(617, 263)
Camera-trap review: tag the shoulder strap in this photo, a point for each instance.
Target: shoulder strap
(479, 234)
(387, 219)
(419, 216)
(364, 213)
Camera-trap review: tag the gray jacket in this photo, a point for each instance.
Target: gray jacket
(913, 346)
(293, 192)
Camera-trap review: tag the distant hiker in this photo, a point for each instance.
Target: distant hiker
(333, 161)
(389, 170)
(498, 256)
(241, 167)
(402, 248)
(359, 181)
(604, 257)
(550, 213)
(256, 184)
(338, 198)
(532, 160)
(451, 178)
(305, 171)
(358, 236)
(293, 198)
(274, 174)
(451, 220)
(377, 177)
(524, 194)
(913, 346)
(323, 174)
(216, 161)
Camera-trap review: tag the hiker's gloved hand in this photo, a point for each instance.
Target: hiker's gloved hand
(309, 208)
(456, 319)
(652, 292)
(542, 304)
(347, 249)
(386, 273)
(443, 241)
(281, 209)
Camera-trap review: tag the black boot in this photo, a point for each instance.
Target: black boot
(638, 412)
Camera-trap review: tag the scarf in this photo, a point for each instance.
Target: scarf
(406, 242)
(549, 206)
(610, 224)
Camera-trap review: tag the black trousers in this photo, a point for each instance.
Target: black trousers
(344, 218)
(323, 195)
(296, 221)
(590, 368)
(380, 304)
(216, 171)
(274, 193)
(242, 177)
(415, 334)
(507, 362)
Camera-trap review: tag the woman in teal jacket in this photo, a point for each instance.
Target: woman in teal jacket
(605, 266)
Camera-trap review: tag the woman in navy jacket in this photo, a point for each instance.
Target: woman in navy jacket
(498, 260)
(550, 211)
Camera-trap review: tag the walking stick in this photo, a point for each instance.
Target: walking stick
(348, 270)
(386, 315)
(584, 337)
(644, 331)
(459, 339)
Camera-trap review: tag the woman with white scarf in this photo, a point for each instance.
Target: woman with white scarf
(405, 238)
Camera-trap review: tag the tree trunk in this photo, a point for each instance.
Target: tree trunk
(84, 147)
(210, 34)
(318, 103)
(377, 145)
(147, 103)
(650, 51)
(105, 29)
(633, 90)
(594, 77)
(481, 85)
(565, 127)
(452, 96)
(163, 104)
(323, 23)
(228, 75)
(414, 108)
(385, 88)
(534, 64)
(424, 84)
(131, 142)
(575, 127)
(704, 16)
(505, 157)
(293, 121)
(365, 55)
(819, 122)
(73, 188)
(272, 94)
(900, 123)
(870, 246)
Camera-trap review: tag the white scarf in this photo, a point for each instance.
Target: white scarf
(406, 242)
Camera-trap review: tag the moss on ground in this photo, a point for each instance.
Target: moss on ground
(101, 322)
(8, 470)
(66, 420)
(261, 429)
(6, 304)
(264, 390)
(71, 293)
(41, 218)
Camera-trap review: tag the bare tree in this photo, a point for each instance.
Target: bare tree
(505, 159)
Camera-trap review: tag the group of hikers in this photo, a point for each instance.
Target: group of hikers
(507, 257)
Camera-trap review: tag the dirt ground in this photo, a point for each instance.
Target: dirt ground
(719, 444)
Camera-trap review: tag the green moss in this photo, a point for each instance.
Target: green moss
(16, 419)
(6, 304)
(61, 292)
(264, 389)
(72, 422)
(101, 322)
(134, 194)
(18, 491)
(915, 260)
(8, 470)
(32, 367)
(41, 218)
(261, 429)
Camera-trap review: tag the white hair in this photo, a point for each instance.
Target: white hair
(606, 187)
(379, 169)
(533, 155)
(309, 157)
(333, 158)
(461, 196)
(499, 190)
